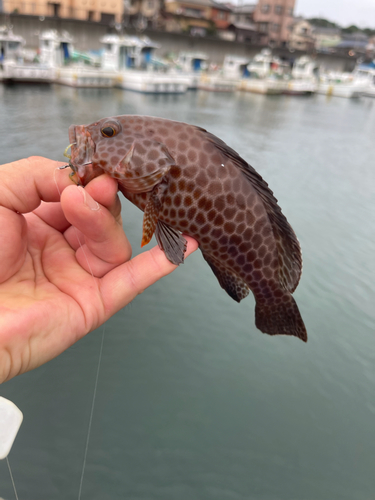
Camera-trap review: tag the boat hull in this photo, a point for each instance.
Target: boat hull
(262, 86)
(32, 73)
(151, 83)
(216, 83)
(82, 77)
(348, 91)
(300, 87)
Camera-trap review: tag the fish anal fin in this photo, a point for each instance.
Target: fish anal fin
(282, 318)
(171, 242)
(232, 284)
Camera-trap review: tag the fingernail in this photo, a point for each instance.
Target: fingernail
(88, 200)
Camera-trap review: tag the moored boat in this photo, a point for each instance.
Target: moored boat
(130, 58)
(339, 85)
(266, 75)
(191, 65)
(303, 77)
(69, 66)
(18, 64)
(364, 76)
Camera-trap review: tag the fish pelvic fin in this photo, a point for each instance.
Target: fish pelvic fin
(232, 284)
(280, 319)
(171, 242)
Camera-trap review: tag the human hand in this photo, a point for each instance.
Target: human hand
(48, 297)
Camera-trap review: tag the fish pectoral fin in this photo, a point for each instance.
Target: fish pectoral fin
(232, 284)
(151, 216)
(171, 242)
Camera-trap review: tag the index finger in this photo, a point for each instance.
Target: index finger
(25, 183)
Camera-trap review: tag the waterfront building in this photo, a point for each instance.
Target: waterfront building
(243, 27)
(326, 39)
(142, 13)
(243, 32)
(91, 10)
(274, 19)
(370, 48)
(221, 15)
(189, 16)
(243, 14)
(353, 44)
(301, 36)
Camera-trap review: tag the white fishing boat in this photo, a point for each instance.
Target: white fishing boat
(69, 66)
(267, 75)
(235, 67)
(227, 78)
(18, 64)
(131, 59)
(303, 77)
(364, 76)
(191, 65)
(14, 65)
(216, 82)
(340, 85)
(300, 87)
(269, 86)
(10, 50)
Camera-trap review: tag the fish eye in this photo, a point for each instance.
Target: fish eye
(108, 131)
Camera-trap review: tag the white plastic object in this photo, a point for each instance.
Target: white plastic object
(10, 421)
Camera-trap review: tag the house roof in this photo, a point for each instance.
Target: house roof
(220, 6)
(352, 44)
(326, 31)
(202, 3)
(244, 9)
(244, 26)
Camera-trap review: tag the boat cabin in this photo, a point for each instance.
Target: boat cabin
(192, 61)
(127, 52)
(236, 67)
(304, 68)
(55, 49)
(265, 64)
(10, 45)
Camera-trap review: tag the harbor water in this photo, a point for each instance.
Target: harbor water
(193, 402)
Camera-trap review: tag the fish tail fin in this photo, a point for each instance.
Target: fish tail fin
(283, 318)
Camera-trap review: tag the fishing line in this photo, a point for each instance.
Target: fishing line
(91, 414)
(11, 477)
(99, 360)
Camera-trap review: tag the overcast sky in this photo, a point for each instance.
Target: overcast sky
(343, 12)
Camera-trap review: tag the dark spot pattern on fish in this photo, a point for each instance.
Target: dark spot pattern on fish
(196, 184)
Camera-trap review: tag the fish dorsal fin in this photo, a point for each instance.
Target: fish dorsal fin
(171, 242)
(232, 284)
(288, 248)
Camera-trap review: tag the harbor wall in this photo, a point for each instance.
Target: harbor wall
(87, 34)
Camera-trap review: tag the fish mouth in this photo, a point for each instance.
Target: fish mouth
(82, 152)
(82, 146)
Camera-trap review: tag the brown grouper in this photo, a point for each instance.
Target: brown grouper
(186, 180)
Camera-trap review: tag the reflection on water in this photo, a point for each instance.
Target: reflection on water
(193, 401)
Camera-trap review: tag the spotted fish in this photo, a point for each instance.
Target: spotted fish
(186, 180)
